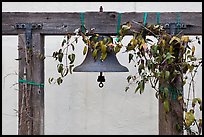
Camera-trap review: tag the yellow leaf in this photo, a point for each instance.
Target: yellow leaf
(103, 48)
(103, 56)
(185, 39)
(174, 38)
(94, 54)
(85, 49)
(117, 49)
(179, 98)
(189, 118)
(171, 49)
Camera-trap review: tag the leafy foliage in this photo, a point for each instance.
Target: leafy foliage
(164, 63)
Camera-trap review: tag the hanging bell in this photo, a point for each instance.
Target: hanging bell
(110, 64)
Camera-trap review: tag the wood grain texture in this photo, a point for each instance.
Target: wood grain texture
(104, 22)
(31, 97)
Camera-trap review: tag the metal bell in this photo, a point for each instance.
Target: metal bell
(110, 64)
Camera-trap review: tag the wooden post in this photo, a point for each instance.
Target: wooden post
(31, 96)
(171, 121)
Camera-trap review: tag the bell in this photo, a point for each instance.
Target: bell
(110, 64)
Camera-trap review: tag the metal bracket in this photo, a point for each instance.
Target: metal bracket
(28, 31)
(174, 27)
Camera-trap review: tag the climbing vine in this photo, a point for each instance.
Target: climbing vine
(166, 64)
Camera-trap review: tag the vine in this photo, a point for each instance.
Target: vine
(164, 64)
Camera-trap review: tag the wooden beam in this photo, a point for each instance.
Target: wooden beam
(104, 22)
(31, 97)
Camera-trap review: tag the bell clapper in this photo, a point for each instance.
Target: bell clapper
(101, 79)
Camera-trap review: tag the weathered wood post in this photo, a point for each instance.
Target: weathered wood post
(171, 123)
(31, 83)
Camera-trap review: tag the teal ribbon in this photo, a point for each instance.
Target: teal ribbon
(158, 17)
(31, 83)
(178, 21)
(172, 91)
(82, 21)
(118, 25)
(145, 18)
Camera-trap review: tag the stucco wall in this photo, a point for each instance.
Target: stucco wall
(79, 106)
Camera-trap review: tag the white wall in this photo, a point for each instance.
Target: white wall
(79, 106)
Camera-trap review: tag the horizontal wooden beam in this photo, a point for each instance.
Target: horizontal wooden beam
(58, 23)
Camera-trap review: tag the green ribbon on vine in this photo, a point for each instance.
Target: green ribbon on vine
(82, 21)
(31, 83)
(145, 18)
(158, 17)
(173, 92)
(118, 25)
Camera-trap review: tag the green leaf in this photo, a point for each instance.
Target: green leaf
(60, 57)
(60, 68)
(167, 74)
(128, 78)
(70, 68)
(50, 80)
(142, 86)
(138, 87)
(199, 100)
(166, 105)
(85, 50)
(194, 102)
(59, 80)
(190, 67)
(141, 66)
(178, 127)
(169, 56)
(65, 72)
(71, 57)
(126, 89)
(166, 91)
(63, 42)
(130, 57)
(72, 47)
(76, 40)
